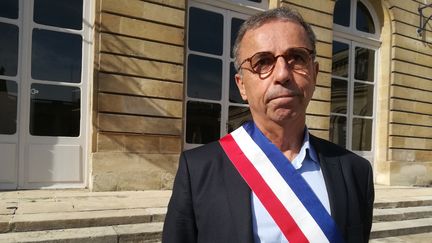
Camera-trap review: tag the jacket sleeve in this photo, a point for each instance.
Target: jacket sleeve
(180, 223)
(370, 197)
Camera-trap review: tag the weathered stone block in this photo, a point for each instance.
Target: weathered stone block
(410, 131)
(318, 122)
(145, 10)
(412, 56)
(403, 173)
(318, 108)
(410, 118)
(141, 48)
(322, 93)
(133, 171)
(110, 142)
(137, 124)
(412, 94)
(142, 29)
(411, 81)
(142, 68)
(140, 105)
(140, 86)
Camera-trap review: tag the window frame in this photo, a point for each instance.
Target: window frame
(351, 30)
(226, 59)
(355, 38)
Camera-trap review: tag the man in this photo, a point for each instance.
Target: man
(270, 180)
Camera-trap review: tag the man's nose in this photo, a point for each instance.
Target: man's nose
(282, 71)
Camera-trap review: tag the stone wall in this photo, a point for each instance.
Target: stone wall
(410, 116)
(138, 94)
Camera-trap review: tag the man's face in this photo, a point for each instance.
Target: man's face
(282, 94)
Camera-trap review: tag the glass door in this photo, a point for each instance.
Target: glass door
(46, 116)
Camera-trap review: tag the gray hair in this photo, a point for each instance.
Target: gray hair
(256, 21)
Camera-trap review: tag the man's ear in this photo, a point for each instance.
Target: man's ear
(241, 86)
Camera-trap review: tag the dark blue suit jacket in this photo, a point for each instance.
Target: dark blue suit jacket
(211, 201)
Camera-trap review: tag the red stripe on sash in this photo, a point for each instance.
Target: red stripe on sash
(255, 181)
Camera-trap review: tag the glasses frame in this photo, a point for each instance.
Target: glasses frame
(311, 53)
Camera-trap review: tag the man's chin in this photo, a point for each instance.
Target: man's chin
(281, 117)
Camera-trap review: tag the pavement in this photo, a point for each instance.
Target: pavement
(401, 193)
(69, 201)
(72, 200)
(33, 205)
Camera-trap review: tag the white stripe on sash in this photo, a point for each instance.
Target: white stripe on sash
(280, 188)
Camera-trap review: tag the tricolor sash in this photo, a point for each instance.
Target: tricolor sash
(284, 193)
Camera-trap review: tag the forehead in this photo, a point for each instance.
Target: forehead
(274, 36)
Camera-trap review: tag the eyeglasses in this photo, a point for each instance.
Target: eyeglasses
(264, 62)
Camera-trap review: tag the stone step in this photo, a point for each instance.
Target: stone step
(146, 232)
(404, 227)
(404, 203)
(397, 214)
(417, 238)
(66, 220)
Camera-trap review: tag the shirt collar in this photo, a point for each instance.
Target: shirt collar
(307, 152)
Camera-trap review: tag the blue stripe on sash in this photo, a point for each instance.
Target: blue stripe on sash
(297, 183)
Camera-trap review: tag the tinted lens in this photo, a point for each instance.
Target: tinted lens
(298, 58)
(262, 62)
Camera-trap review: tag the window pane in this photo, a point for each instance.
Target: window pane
(9, 9)
(340, 59)
(56, 56)
(362, 134)
(235, 26)
(203, 122)
(60, 13)
(364, 64)
(8, 111)
(55, 110)
(8, 49)
(363, 99)
(237, 116)
(342, 12)
(339, 96)
(205, 31)
(338, 130)
(364, 19)
(204, 77)
(234, 95)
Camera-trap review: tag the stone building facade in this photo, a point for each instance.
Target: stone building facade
(156, 78)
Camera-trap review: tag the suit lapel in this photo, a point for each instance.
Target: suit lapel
(238, 193)
(334, 180)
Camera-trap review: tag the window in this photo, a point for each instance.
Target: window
(9, 43)
(354, 16)
(352, 96)
(56, 56)
(45, 66)
(213, 104)
(353, 77)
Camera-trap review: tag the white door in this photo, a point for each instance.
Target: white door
(44, 77)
